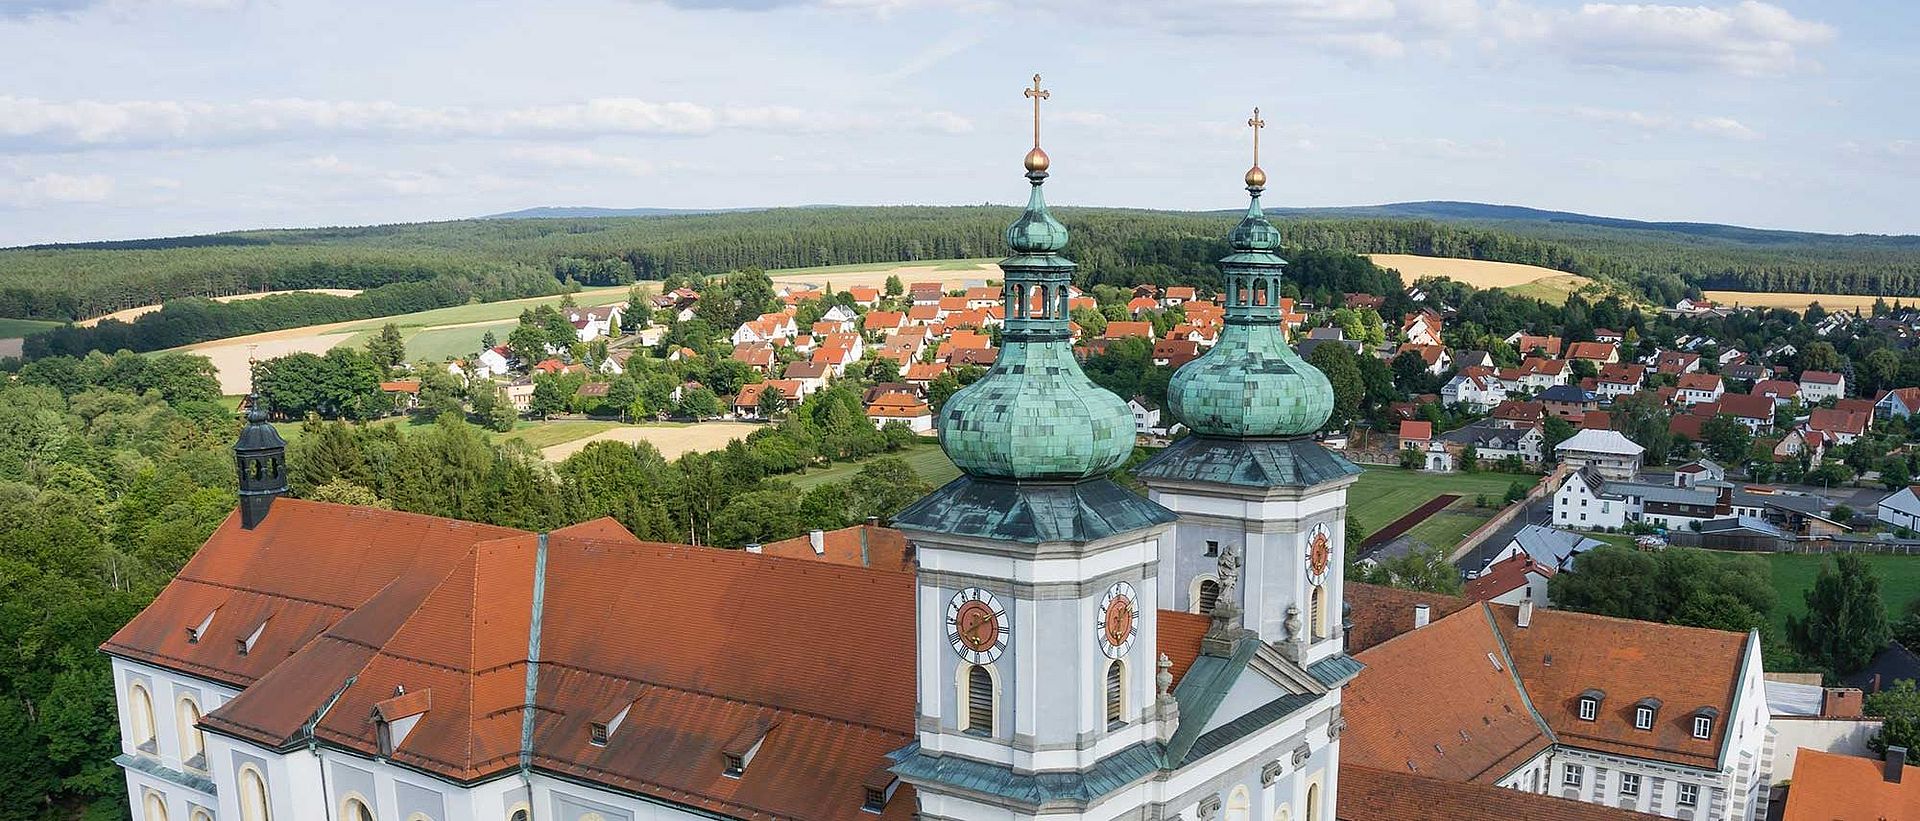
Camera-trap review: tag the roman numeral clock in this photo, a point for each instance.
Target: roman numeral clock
(977, 626)
(1118, 624)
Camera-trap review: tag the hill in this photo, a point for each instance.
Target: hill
(590, 212)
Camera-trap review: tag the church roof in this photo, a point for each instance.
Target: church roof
(453, 618)
(1032, 512)
(1253, 463)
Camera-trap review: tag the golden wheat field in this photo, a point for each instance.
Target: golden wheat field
(1798, 301)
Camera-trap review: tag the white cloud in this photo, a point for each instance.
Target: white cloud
(56, 188)
(1748, 38)
(1725, 127)
(40, 124)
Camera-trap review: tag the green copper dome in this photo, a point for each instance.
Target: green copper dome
(1251, 384)
(1036, 415)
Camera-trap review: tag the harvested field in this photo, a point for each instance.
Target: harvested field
(1532, 281)
(132, 314)
(671, 440)
(1799, 302)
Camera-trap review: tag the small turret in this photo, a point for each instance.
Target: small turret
(260, 455)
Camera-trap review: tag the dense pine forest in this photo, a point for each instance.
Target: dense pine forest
(408, 267)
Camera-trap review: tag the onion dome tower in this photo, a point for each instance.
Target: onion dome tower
(260, 455)
(1252, 383)
(1036, 415)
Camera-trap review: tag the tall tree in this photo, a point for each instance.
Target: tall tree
(1337, 362)
(388, 349)
(1846, 622)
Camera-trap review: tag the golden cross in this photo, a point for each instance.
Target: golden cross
(1038, 94)
(1257, 124)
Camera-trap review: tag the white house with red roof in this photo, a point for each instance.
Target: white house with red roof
(492, 362)
(1700, 387)
(1816, 386)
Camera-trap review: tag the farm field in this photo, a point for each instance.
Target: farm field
(1798, 302)
(926, 459)
(15, 328)
(672, 440)
(1384, 494)
(446, 332)
(1532, 281)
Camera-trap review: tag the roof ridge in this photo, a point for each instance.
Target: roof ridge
(1513, 672)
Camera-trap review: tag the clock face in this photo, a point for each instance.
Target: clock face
(1319, 553)
(977, 626)
(1116, 627)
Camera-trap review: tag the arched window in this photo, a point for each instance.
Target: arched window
(978, 692)
(520, 815)
(1061, 301)
(140, 711)
(253, 795)
(1260, 291)
(154, 808)
(1320, 611)
(1284, 813)
(1020, 303)
(355, 809)
(1116, 693)
(200, 815)
(1313, 803)
(1206, 595)
(193, 745)
(1239, 805)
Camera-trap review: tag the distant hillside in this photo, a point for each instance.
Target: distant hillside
(1475, 212)
(590, 212)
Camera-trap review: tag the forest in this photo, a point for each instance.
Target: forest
(1121, 246)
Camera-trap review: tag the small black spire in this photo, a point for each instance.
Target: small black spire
(261, 457)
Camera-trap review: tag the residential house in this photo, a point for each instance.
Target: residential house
(1699, 472)
(1536, 374)
(1128, 330)
(1802, 442)
(1550, 547)
(1473, 359)
(756, 355)
(1619, 380)
(1613, 455)
(1567, 402)
(1476, 388)
(1700, 387)
(492, 362)
(1435, 357)
(864, 296)
(811, 375)
(1322, 336)
(1142, 304)
(1146, 415)
(1608, 335)
(1778, 390)
(768, 328)
(1746, 371)
(1493, 442)
(925, 293)
(1421, 328)
(746, 404)
(1173, 353)
(1177, 295)
(519, 394)
(1898, 403)
(405, 393)
(1590, 501)
(1675, 363)
(982, 297)
(1840, 426)
(1512, 580)
(1901, 508)
(923, 373)
(1361, 302)
(983, 357)
(923, 314)
(1515, 413)
(904, 408)
(884, 323)
(1599, 353)
(1756, 412)
(1817, 386)
(1529, 345)
(1694, 306)
(1669, 720)
(1417, 435)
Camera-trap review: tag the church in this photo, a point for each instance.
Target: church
(1030, 640)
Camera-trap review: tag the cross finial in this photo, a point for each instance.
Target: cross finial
(1257, 124)
(1037, 94)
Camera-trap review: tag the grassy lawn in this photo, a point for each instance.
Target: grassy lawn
(1384, 494)
(927, 459)
(10, 328)
(506, 311)
(1793, 575)
(1445, 529)
(552, 432)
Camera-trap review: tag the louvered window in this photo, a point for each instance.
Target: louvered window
(979, 701)
(1115, 705)
(1209, 595)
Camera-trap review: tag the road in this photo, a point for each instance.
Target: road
(1538, 512)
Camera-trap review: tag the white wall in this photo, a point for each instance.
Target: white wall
(1840, 736)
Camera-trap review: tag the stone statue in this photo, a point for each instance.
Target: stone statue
(1229, 569)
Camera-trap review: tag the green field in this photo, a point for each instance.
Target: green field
(1793, 575)
(927, 459)
(546, 434)
(10, 328)
(1384, 494)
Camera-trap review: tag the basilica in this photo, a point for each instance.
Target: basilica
(1031, 640)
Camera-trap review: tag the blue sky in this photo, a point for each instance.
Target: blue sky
(127, 118)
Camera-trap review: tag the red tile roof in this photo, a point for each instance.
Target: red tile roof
(449, 619)
(1380, 612)
(1597, 351)
(1827, 787)
(1368, 794)
(1123, 330)
(1821, 377)
(1838, 421)
(1505, 576)
(860, 545)
(1418, 431)
(1699, 381)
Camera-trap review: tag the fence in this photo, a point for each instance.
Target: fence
(1755, 543)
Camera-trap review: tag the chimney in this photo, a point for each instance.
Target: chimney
(818, 540)
(753, 547)
(1421, 615)
(1526, 611)
(1842, 702)
(1896, 763)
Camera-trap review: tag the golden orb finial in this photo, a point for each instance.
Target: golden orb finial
(1037, 160)
(1256, 178)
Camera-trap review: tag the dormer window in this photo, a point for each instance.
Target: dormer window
(740, 750)
(875, 801)
(1703, 722)
(1590, 705)
(597, 734)
(1643, 713)
(877, 789)
(196, 631)
(245, 644)
(736, 765)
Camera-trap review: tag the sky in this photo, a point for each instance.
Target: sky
(140, 118)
